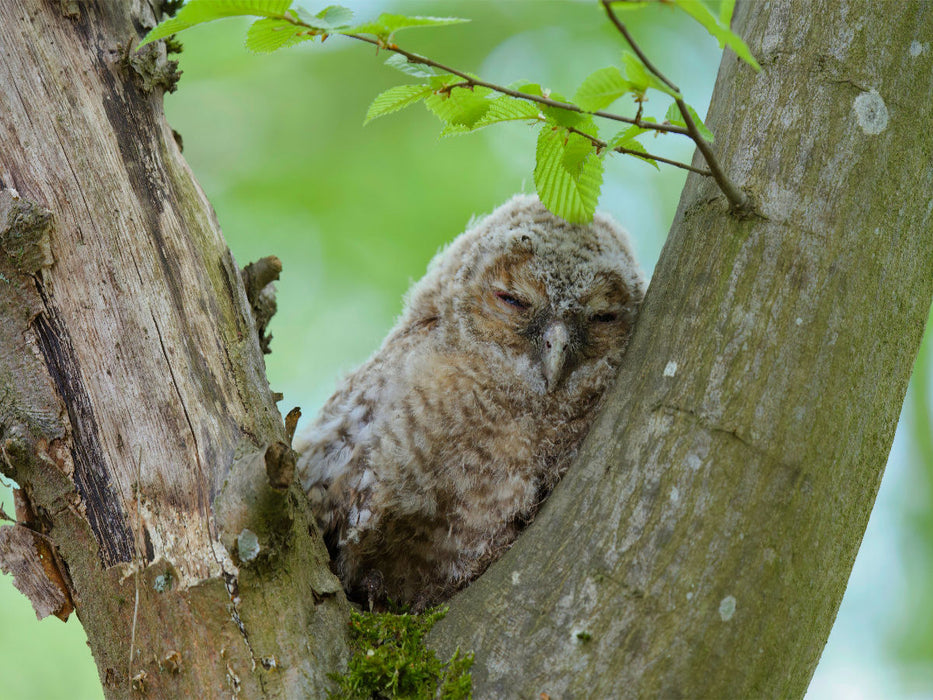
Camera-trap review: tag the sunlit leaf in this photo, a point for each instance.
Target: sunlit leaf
(396, 98)
(568, 174)
(418, 70)
(627, 139)
(197, 12)
(601, 88)
(726, 37)
(504, 109)
(726, 9)
(641, 78)
(460, 108)
(268, 35)
(387, 24)
(674, 116)
(332, 18)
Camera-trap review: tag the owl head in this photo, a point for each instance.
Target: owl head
(550, 302)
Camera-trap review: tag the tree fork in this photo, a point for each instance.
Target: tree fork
(134, 411)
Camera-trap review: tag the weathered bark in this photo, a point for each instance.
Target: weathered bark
(132, 385)
(702, 545)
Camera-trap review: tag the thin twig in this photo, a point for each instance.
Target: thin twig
(470, 80)
(546, 101)
(738, 199)
(638, 52)
(599, 143)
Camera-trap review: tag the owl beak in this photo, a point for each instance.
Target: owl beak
(554, 352)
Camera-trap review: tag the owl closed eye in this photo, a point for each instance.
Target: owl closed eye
(429, 459)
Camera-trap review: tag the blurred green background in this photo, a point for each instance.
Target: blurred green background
(356, 213)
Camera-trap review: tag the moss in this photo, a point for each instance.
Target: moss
(390, 660)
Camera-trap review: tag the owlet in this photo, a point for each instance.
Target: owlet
(429, 459)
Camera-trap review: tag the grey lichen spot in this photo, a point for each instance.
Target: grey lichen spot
(727, 608)
(671, 369)
(916, 48)
(162, 582)
(675, 495)
(689, 596)
(247, 544)
(871, 112)
(516, 578)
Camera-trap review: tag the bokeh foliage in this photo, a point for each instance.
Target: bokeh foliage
(278, 143)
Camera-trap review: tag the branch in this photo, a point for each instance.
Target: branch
(599, 143)
(738, 199)
(546, 101)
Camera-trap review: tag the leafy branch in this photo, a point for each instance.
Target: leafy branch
(570, 153)
(737, 199)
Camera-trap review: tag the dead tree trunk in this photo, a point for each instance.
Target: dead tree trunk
(132, 387)
(702, 545)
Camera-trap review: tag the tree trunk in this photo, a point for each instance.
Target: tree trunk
(132, 387)
(701, 546)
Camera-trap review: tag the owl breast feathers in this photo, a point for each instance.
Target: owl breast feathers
(429, 459)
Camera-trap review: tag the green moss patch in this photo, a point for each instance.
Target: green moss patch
(390, 660)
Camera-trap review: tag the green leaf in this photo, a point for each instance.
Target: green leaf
(641, 78)
(568, 174)
(504, 109)
(460, 108)
(674, 116)
(418, 70)
(268, 35)
(627, 140)
(396, 98)
(564, 117)
(726, 9)
(200, 11)
(719, 30)
(601, 88)
(387, 24)
(332, 18)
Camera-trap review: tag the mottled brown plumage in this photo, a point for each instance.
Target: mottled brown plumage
(430, 458)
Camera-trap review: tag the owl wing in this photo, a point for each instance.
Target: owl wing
(354, 457)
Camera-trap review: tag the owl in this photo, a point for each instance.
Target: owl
(429, 459)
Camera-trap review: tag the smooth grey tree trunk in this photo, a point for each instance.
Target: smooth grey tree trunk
(700, 547)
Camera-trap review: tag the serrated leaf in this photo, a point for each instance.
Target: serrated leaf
(721, 32)
(387, 24)
(197, 12)
(332, 18)
(418, 70)
(568, 174)
(627, 139)
(641, 78)
(396, 98)
(726, 10)
(623, 138)
(459, 109)
(564, 117)
(504, 109)
(674, 116)
(528, 88)
(268, 35)
(601, 88)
